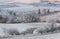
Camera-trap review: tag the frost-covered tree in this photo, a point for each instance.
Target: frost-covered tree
(23, 18)
(32, 18)
(39, 11)
(53, 25)
(48, 11)
(12, 13)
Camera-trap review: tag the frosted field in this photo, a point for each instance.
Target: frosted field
(55, 16)
(6, 30)
(51, 36)
(22, 27)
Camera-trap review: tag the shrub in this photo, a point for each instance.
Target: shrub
(28, 31)
(52, 28)
(13, 32)
(53, 25)
(3, 19)
(41, 31)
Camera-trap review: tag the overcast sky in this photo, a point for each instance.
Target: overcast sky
(23, 1)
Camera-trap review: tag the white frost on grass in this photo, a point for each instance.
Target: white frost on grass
(49, 36)
(3, 33)
(22, 27)
(4, 28)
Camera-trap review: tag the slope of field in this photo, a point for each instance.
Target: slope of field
(55, 16)
(23, 26)
(49, 36)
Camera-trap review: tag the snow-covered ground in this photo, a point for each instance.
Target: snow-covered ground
(20, 27)
(23, 27)
(50, 36)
